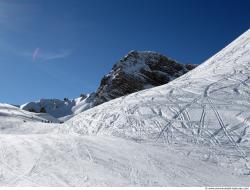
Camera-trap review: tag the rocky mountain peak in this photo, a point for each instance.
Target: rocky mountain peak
(139, 70)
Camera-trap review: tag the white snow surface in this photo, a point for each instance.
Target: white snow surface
(193, 131)
(9, 112)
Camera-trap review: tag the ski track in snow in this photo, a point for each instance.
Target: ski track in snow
(194, 131)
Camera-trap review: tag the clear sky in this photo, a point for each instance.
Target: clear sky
(61, 48)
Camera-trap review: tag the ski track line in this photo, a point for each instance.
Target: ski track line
(225, 130)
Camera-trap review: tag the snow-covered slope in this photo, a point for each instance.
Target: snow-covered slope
(9, 111)
(134, 72)
(13, 120)
(33, 153)
(70, 160)
(41, 154)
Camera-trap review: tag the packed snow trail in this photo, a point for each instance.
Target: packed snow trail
(71, 160)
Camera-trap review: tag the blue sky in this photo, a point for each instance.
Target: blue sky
(61, 48)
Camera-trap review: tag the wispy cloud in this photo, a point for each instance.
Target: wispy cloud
(35, 54)
(39, 54)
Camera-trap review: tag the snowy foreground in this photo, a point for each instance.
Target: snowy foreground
(194, 131)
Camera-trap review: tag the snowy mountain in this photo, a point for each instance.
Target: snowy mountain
(193, 131)
(58, 108)
(209, 105)
(136, 71)
(205, 101)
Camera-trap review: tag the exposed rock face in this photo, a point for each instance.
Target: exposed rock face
(138, 71)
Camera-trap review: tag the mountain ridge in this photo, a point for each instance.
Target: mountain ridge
(136, 71)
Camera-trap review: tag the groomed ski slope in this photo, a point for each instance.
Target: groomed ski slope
(193, 131)
(72, 160)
